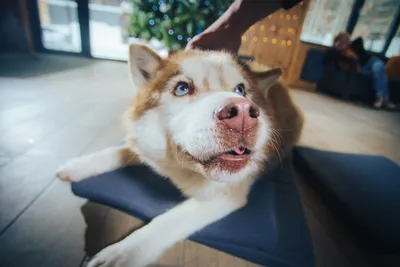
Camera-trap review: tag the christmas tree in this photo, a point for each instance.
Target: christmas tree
(174, 22)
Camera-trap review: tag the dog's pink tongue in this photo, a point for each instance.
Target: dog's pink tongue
(239, 150)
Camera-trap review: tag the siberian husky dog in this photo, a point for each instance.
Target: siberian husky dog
(208, 123)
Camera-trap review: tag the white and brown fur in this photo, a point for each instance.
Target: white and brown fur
(179, 135)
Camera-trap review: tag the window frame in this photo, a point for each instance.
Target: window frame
(352, 22)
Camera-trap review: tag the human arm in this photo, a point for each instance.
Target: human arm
(225, 33)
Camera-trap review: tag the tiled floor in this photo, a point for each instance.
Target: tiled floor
(45, 120)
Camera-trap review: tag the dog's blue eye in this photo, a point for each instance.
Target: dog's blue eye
(240, 89)
(182, 89)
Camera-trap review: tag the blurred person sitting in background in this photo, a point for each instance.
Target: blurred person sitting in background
(366, 64)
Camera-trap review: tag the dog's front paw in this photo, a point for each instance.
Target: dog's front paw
(120, 255)
(112, 256)
(73, 171)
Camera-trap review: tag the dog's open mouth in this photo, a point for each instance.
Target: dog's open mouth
(232, 160)
(237, 153)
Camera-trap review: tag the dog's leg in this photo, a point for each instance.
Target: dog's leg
(97, 163)
(147, 244)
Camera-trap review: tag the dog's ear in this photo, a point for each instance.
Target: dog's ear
(143, 64)
(266, 79)
(264, 76)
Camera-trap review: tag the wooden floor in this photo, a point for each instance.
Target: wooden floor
(45, 120)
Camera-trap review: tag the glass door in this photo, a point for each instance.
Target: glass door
(108, 24)
(59, 25)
